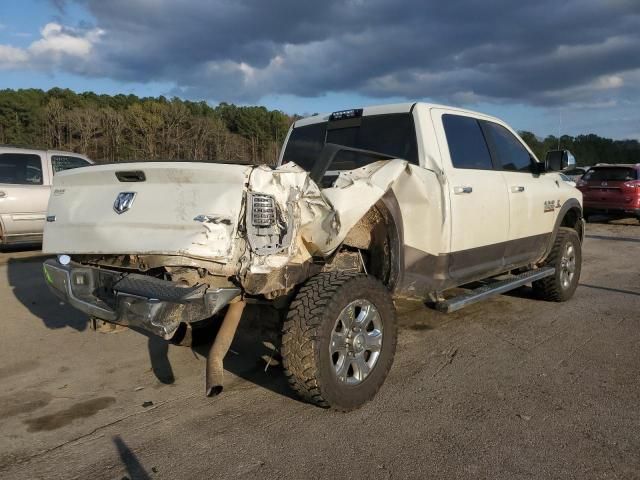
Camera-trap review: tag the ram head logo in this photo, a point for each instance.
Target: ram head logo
(124, 202)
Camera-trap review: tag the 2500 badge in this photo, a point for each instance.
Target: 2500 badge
(551, 205)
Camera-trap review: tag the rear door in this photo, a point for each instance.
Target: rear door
(24, 194)
(533, 198)
(478, 196)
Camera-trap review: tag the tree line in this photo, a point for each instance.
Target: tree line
(588, 149)
(125, 127)
(111, 128)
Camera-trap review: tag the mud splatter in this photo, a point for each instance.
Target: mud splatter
(420, 326)
(65, 417)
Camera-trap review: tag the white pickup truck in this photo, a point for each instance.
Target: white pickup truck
(366, 204)
(25, 185)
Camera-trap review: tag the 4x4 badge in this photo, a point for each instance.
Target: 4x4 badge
(123, 202)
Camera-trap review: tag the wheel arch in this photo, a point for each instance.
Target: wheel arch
(385, 258)
(571, 216)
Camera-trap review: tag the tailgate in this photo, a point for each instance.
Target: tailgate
(607, 194)
(178, 209)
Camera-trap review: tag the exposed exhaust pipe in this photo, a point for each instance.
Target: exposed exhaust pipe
(220, 347)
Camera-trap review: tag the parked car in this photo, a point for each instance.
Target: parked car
(611, 189)
(575, 173)
(408, 199)
(25, 185)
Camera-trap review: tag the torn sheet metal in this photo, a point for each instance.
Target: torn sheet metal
(356, 191)
(317, 220)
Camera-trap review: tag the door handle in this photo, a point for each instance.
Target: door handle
(461, 190)
(3, 194)
(517, 189)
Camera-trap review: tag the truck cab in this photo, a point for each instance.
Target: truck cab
(490, 205)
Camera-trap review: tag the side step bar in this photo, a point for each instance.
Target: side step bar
(495, 288)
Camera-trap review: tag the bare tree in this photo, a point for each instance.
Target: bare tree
(175, 130)
(55, 119)
(84, 125)
(145, 125)
(113, 125)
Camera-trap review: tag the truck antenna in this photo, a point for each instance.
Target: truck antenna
(559, 129)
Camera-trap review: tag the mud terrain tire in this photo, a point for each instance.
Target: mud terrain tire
(566, 258)
(341, 311)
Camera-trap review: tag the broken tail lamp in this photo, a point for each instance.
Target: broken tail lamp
(263, 210)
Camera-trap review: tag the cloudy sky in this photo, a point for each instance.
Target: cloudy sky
(547, 66)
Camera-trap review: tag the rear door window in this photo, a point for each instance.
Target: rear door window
(467, 145)
(20, 169)
(611, 174)
(512, 155)
(67, 162)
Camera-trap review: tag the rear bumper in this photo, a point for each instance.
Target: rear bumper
(150, 304)
(595, 208)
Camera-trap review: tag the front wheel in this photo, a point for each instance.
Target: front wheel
(339, 339)
(566, 258)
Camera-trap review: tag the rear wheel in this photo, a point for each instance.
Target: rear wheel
(339, 339)
(566, 258)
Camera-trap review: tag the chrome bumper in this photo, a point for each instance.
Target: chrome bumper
(157, 306)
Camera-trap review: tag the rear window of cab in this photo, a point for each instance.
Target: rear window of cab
(392, 134)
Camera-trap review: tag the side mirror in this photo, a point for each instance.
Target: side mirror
(558, 160)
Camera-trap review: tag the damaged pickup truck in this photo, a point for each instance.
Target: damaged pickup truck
(366, 204)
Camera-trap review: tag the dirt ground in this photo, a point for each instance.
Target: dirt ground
(506, 389)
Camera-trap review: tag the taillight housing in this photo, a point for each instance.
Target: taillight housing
(263, 210)
(581, 183)
(632, 184)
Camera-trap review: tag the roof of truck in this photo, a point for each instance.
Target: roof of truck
(24, 149)
(389, 108)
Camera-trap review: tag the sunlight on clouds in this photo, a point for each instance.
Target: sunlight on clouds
(57, 39)
(11, 57)
(57, 44)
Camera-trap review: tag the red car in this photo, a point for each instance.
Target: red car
(611, 189)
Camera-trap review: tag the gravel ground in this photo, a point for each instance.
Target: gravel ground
(510, 388)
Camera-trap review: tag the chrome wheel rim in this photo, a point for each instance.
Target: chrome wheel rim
(356, 342)
(567, 266)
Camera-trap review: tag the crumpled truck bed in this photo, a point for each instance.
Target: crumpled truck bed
(200, 211)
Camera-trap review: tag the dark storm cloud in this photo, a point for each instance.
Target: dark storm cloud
(544, 52)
